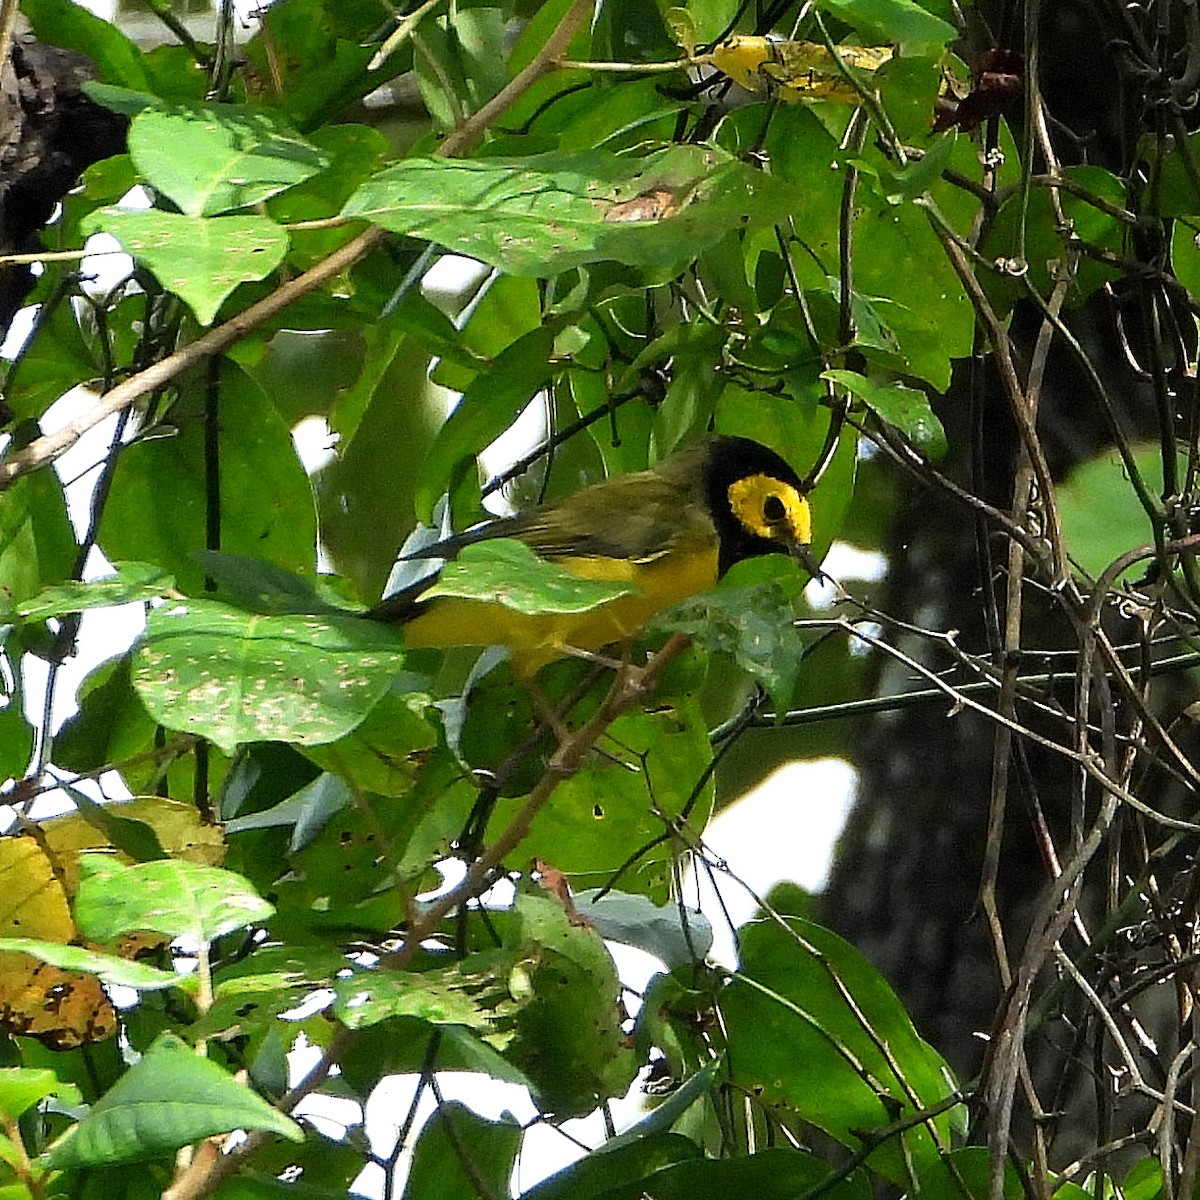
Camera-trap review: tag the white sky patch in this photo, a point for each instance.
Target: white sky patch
(315, 443)
(804, 805)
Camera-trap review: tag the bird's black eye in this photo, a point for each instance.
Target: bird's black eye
(773, 509)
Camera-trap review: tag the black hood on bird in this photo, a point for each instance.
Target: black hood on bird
(731, 459)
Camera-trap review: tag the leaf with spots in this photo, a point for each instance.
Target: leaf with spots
(233, 676)
(176, 899)
(210, 158)
(547, 213)
(200, 259)
(750, 617)
(569, 1040)
(50, 987)
(611, 812)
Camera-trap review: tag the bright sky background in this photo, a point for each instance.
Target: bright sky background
(802, 805)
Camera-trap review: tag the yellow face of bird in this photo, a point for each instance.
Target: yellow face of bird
(772, 509)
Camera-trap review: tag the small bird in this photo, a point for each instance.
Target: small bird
(671, 531)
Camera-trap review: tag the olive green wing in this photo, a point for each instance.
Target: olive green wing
(635, 517)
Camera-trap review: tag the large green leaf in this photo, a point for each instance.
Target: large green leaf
(234, 676)
(211, 158)
(158, 508)
(617, 807)
(568, 1040)
(796, 1040)
(460, 1153)
(71, 26)
(170, 1098)
(200, 259)
(1101, 516)
(171, 897)
(542, 215)
(903, 22)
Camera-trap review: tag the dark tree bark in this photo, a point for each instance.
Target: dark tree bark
(49, 133)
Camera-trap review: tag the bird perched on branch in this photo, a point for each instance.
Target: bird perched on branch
(659, 535)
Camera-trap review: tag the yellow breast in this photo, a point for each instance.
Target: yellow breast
(538, 639)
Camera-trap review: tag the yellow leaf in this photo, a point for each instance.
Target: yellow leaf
(39, 872)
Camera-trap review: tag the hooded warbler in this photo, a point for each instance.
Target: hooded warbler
(671, 531)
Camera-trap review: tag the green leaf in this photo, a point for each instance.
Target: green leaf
(569, 1040)
(965, 1174)
(126, 101)
(110, 968)
(676, 938)
(665, 1116)
(234, 676)
(200, 260)
(262, 587)
(112, 723)
(157, 509)
(171, 897)
(319, 55)
(134, 838)
(461, 62)
(801, 1044)
(491, 402)
(57, 357)
(305, 811)
(132, 582)
(386, 751)
(37, 545)
(168, 1099)
(915, 178)
(1144, 1180)
(607, 1174)
(23, 1087)
(401, 1047)
(211, 158)
(455, 996)
(906, 408)
(902, 22)
(507, 572)
(70, 25)
(749, 616)
(1101, 516)
(460, 1153)
(611, 812)
(771, 1174)
(16, 735)
(544, 214)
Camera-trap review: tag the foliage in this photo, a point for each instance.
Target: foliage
(802, 263)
